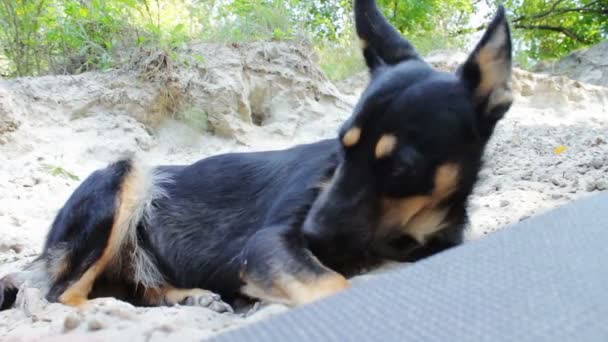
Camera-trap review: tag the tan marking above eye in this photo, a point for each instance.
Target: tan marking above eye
(352, 136)
(386, 145)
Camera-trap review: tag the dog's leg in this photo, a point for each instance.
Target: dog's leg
(277, 267)
(191, 297)
(97, 223)
(78, 291)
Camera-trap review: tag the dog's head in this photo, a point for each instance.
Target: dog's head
(411, 150)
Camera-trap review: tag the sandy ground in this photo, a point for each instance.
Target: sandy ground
(550, 149)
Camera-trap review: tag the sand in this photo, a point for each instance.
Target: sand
(551, 148)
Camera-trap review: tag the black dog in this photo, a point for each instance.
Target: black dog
(286, 226)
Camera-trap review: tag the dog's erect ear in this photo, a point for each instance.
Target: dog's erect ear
(382, 43)
(487, 72)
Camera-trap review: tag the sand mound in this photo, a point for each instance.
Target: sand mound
(551, 148)
(587, 65)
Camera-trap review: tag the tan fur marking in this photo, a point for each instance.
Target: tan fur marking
(77, 294)
(401, 211)
(289, 290)
(495, 72)
(154, 296)
(429, 220)
(425, 223)
(297, 289)
(363, 43)
(386, 145)
(446, 181)
(492, 72)
(352, 136)
(418, 215)
(273, 294)
(315, 289)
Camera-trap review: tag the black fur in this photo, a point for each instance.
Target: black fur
(220, 210)
(383, 43)
(266, 219)
(470, 74)
(8, 295)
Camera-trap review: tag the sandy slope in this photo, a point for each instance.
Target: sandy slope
(54, 129)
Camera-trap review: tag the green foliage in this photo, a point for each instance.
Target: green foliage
(194, 118)
(20, 23)
(60, 172)
(71, 36)
(332, 26)
(325, 19)
(67, 36)
(423, 16)
(86, 32)
(341, 59)
(551, 29)
(254, 20)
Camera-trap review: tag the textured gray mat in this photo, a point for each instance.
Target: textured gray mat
(544, 279)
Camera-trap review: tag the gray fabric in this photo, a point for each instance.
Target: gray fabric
(544, 279)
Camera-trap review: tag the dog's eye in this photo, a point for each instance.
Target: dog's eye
(406, 165)
(407, 159)
(400, 170)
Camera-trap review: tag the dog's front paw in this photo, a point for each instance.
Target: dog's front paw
(197, 297)
(209, 300)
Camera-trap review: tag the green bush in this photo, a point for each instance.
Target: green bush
(65, 36)
(70, 36)
(20, 34)
(253, 20)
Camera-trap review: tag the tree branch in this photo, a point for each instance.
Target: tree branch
(561, 30)
(469, 30)
(540, 15)
(553, 11)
